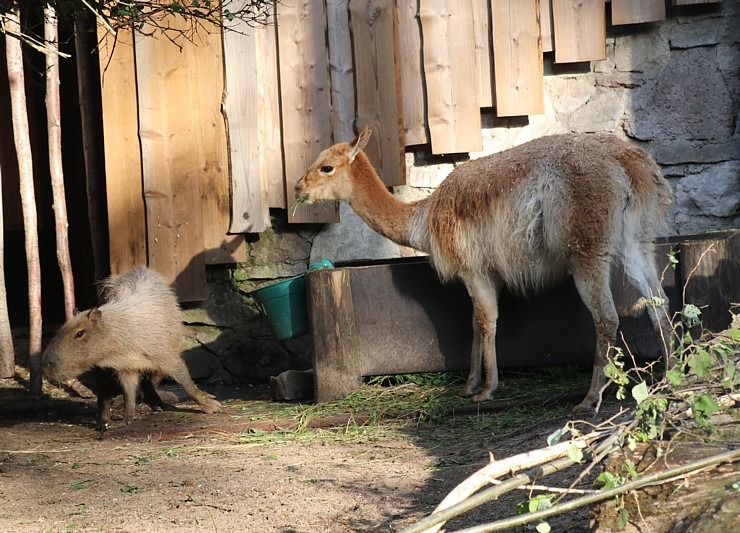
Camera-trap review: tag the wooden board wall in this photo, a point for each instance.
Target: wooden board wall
(637, 11)
(378, 86)
(170, 162)
(580, 30)
(483, 52)
(341, 67)
(124, 185)
(249, 191)
(546, 32)
(411, 70)
(517, 58)
(451, 75)
(306, 99)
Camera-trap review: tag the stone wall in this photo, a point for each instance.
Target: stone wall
(672, 87)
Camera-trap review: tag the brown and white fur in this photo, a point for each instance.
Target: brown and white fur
(570, 204)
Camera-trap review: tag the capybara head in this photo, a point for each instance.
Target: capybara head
(75, 347)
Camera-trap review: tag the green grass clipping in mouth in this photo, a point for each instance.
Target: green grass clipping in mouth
(302, 200)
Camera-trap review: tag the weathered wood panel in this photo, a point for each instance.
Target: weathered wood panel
(637, 11)
(517, 58)
(412, 72)
(170, 162)
(379, 86)
(547, 36)
(336, 355)
(483, 52)
(268, 115)
(451, 75)
(580, 30)
(306, 99)
(249, 202)
(341, 67)
(211, 147)
(124, 185)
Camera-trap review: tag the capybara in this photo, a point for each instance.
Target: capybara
(106, 386)
(136, 331)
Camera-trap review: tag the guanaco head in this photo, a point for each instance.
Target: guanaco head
(330, 177)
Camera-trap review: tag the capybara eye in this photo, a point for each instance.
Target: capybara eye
(80, 334)
(326, 169)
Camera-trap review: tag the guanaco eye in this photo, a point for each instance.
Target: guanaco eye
(326, 169)
(80, 334)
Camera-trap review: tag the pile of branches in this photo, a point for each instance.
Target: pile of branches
(683, 405)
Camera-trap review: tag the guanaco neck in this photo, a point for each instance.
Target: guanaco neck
(382, 211)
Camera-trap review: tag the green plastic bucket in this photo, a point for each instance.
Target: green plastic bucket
(284, 306)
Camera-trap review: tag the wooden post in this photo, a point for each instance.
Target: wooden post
(7, 355)
(336, 359)
(28, 197)
(54, 127)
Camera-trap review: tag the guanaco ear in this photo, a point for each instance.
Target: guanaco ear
(359, 143)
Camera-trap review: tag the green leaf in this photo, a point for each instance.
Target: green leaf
(675, 377)
(640, 392)
(554, 437)
(701, 363)
(735, 335)
(691, 315)
(543, 527)
(79, 485)
(704, 407)
(129, 489)
(623, 519)
(608, 480)
(575, 453)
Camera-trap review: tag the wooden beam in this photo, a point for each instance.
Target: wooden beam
(517, 58)
(451, 76)
(123, 172)
(547, 35)
(341, 67)
(306, 99)
(483, 51)
(580, 30)
(637, 11)
(378, 86)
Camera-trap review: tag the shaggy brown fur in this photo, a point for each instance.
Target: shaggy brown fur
(524, 218)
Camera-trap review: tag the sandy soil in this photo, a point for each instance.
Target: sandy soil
(236, 470)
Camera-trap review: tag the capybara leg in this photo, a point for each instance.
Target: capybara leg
(129, 384)
(151, 396)
(103, 415)
(180, 374)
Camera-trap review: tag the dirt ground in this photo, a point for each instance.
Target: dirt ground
(244, 469)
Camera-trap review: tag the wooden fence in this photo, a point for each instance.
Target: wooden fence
(202, 138)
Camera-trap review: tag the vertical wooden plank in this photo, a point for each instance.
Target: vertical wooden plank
(580, 30)
(637, 11)
(451, 75)
(517, 58)
(211, 148)
(379, 86)
(341, 69)
(124, 185)
(268, 113)
(483, 52)
(412, 72)
(336, 356)
(170, 163)
(306, 99)
(249, 202)
(547, 36)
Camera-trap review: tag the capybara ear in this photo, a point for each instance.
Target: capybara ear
(75, 312)
(94, 314)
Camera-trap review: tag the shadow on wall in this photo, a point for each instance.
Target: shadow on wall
(229, 340)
